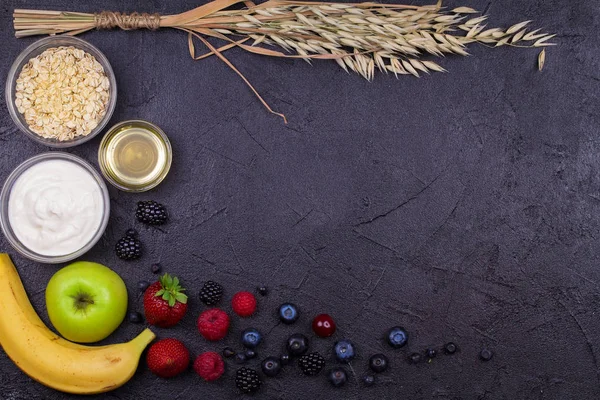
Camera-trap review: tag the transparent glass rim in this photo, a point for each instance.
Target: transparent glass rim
(26, 55)
(5, 196)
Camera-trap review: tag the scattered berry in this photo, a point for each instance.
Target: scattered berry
(378, 363)
(228, 352)
(131, 233)
(151, 212)
(128, 248)
(271, 366)
(250, 354)
(209, 366)
(168, 358)
(430, 353)
(368, 380)
(397, 337)
(251, 338)
(243, 304)
(240, 358)
(297, 344)
(211, 293)
(165, 303)
(288, 313)
(414, 358)
(285, 359)
(311, 364)
(155, 268)
(486, 355)
(262, 290)
(323, 325)
(247, 380)
(450, 348)
(337, 377)
(135, 317)
(213, 324)
(143, 285)
(344, 350)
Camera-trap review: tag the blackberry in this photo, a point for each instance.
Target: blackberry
(128, 248)
(211, 293)
(151, 212)
(311, 364)
(247, 380)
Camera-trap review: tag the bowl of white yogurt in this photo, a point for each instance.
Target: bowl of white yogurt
(54, 207)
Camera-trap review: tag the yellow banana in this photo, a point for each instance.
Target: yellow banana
(52, 360)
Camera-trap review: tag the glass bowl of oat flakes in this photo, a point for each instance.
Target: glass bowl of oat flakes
(61, 91)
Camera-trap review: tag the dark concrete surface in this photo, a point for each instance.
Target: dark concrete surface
(463, 206)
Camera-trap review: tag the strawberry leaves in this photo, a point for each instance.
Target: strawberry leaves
(171, 291)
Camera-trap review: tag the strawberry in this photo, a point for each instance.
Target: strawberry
(243, 304)
(164, 302)
(209, 366)
(213, 324)
(167, 358)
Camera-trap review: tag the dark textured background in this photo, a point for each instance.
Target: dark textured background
(463, 206)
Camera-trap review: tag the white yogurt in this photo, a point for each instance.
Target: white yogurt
(55, 207)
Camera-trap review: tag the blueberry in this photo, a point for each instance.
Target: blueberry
(155, 268)
(135, 317)
(337, 377)
(250, 354)
(271, 366)
(288, 313)
(228, 352)
(285, 359)
(143, 285)
(430, 353)
(251, 338)
(450, 348)
(344, 350)
(414, 358)
(397, 337)
(486, 355)
(131, 233)
(378, 363)
(240, 358)
(262, 290)
(368, 380)
(297, 344)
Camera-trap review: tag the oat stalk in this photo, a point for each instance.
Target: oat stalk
(362, 37)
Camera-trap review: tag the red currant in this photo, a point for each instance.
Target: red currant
(323, 325)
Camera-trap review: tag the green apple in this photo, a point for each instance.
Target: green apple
(86, 301)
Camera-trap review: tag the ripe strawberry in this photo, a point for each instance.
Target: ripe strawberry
(213, 324)
(243, 304)
(164, 302)
(209, 366)
(167, 358)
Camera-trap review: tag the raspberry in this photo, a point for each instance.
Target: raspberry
(209, 366)
(243, 304)
(213, 324)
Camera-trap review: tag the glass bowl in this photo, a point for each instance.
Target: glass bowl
(4, 206)
(36, 49)
(113, 172)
